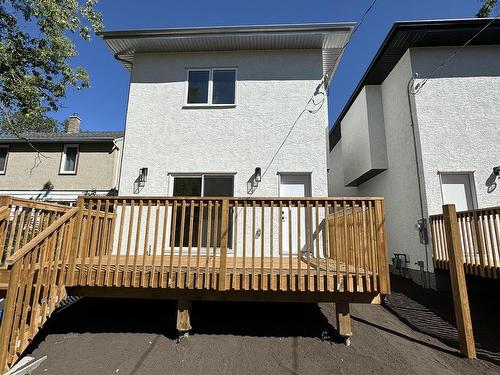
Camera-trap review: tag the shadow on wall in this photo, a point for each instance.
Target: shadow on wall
(491, 183)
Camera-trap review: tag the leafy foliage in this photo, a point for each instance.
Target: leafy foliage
(487, 8)
(32, 122)
(35, 49)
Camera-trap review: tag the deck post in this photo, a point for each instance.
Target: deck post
(183, 317)
(4, 221)
(75, 241)
(383, 266)
(458, 285)
(7, 325)
(344, 321)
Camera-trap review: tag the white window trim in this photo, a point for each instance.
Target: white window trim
(2, 172)
(209, 104)
(63, 159)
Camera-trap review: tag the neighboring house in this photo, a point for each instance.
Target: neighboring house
(455, 116)
(219, 111)
(68, 164)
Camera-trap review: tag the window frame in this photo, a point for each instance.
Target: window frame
(2, 172)
(63, 159)
(210, 103)
(201, 175)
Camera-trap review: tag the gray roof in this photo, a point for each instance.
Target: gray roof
(330, 38)
(62, 137)
(408, 34)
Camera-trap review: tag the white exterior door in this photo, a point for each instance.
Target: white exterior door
(457, 189)
(294, 185)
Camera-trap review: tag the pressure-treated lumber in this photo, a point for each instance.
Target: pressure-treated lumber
(183, 316)
(458, 285)
(344, 325)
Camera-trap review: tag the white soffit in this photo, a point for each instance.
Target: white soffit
(330, 38)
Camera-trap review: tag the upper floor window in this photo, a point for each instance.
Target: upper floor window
(69, 160)
(4, 154)
(211, 87)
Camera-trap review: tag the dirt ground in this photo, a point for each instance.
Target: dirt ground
(95, 336)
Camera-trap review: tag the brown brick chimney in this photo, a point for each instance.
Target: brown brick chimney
(73, 124)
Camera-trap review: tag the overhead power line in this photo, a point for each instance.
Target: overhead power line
(418, 87)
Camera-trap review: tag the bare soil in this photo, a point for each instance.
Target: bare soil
(98, 336)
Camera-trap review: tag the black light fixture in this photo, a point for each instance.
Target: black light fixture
(143, 176)
(258, 175)
(496, 171)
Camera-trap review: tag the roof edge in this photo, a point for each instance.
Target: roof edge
(397, 27)
(191, 31)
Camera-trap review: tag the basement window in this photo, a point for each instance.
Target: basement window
(211, 87)
(4, 155)
(69, 159)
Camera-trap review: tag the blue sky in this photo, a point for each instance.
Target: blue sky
(103, 105)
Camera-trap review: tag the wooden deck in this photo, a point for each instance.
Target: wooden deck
(265, 249)
(193, 273)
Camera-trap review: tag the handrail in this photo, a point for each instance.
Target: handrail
(30, 203)
(41, 236)
(477, 210)
(480, 241)
(240, 199)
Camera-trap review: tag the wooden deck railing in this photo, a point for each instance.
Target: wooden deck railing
(273, 245)
(36, 286)
(480, 240)
(21, 220)
(233, 243)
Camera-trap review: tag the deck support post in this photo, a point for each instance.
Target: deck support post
(183, 317)
(458, 284)
(344, 321)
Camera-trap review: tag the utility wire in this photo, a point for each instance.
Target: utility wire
(418, 87)
(324, 82)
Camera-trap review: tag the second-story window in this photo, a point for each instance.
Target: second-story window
(69, 160)
(211, 87)
(4, 154)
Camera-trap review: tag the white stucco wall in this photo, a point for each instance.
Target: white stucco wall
(398, 184)
(363, 133)
(272, 89)
(459, 119)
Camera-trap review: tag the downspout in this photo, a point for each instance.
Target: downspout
(419, 179)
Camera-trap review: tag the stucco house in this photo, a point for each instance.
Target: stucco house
(69, 164)
(422, 129)
(219, 111)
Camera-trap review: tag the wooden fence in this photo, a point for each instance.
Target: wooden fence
(480, 241)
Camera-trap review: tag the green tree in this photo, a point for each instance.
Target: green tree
(487, 8)
(31, 122)
(35, 54)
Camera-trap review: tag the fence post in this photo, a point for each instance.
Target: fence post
(458, 285)
(223, 244)
(75, 240)
(383, 266)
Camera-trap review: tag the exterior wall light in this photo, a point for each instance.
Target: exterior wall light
(258, 175)
(143, 176)
(496, 171)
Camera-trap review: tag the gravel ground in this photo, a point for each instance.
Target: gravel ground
(95, 336)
